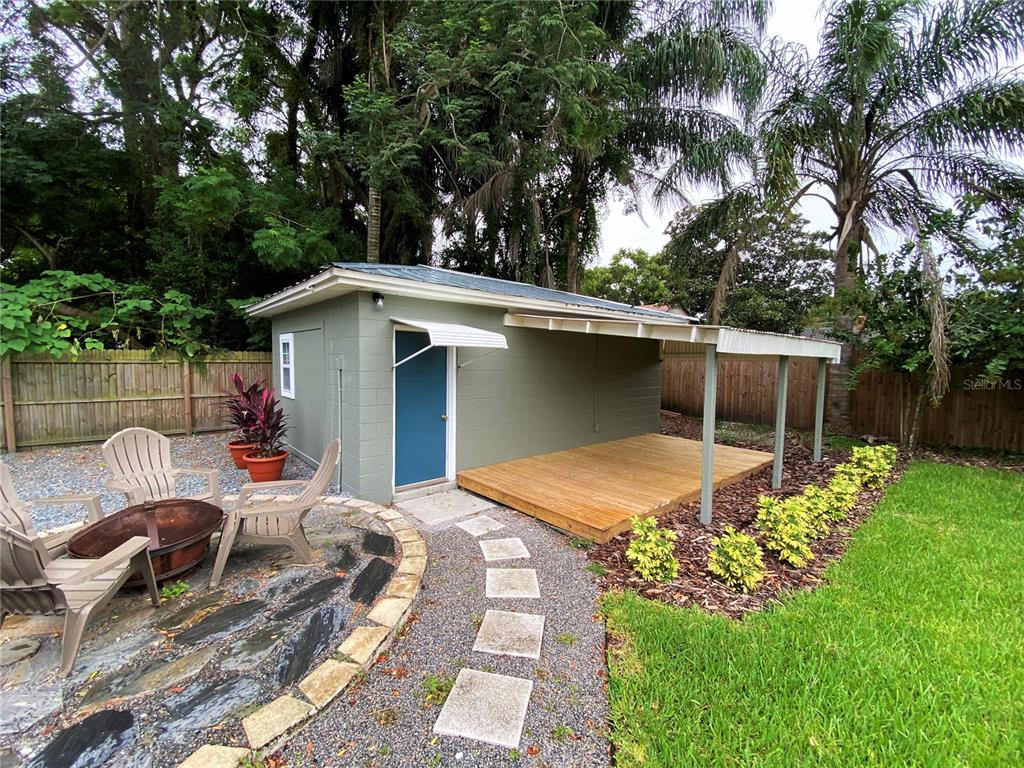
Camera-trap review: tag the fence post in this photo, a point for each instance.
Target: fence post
(7, 392)
(186, 387)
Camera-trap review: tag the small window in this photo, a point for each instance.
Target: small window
(286, 347)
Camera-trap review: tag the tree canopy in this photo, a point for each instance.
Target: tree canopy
(225, 150)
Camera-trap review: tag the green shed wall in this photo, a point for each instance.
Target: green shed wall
(547, 392)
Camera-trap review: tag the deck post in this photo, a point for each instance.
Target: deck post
(707, 464)
(781, 387)
(819, 408)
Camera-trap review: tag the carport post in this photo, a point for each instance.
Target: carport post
(780, 419)
(819, 409)
(707, 469)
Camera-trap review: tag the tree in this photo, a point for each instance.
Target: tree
(904, 103)
(777, 276)
(633, 277)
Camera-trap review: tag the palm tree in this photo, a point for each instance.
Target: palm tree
(906, 104)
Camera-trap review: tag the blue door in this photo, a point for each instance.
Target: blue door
(421, 399)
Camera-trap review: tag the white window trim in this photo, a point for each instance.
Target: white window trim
(290, 339)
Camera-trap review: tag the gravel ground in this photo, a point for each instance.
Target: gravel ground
(81, 469)
(385, 722)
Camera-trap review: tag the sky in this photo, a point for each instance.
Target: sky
(797, 21)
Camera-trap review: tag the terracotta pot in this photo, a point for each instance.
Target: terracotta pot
(238, 450)
(262, 470)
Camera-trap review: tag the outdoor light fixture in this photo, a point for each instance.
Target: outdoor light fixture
(378, 299)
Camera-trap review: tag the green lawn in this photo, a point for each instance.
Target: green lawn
(912, 654)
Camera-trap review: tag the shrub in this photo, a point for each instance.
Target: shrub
(651, 551)
(736, 560)
(842, 491)
(815, 502)
(874, 463)
(786, 530)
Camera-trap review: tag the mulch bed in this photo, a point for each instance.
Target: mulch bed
(736, 505)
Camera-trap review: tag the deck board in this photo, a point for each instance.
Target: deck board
(593, 491)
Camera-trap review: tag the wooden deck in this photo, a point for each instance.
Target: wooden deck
(593, 491)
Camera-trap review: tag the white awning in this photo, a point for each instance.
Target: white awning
(452, 335)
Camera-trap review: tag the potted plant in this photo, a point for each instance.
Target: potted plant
(241, 409)
(268, 431)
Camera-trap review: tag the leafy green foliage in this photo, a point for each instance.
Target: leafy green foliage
(63, 313)
(736, 560)
(786, 529)
(651, 550)
(633, 277)
(873, 464)
(435, 689)
(175, 590)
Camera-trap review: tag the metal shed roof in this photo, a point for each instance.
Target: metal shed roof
(446, 285)
(454, 335)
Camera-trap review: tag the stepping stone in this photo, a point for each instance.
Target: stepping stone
(89, 743)
(486, 707)
(308, 642)
(247, 653)
(314, 594)
(444, 506)
(214, 756)
(206, 704)
(361, 646)
(371, 580)
(181, 616)
(378, 544)
(503, 549)
(284, 583)
(511, 583)
(223, 622)
(25, 706)
(17, 650)
(478, 526)
(504, 633)
(154, 675)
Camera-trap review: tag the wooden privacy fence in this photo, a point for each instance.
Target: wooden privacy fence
(972, 415)
(51, 401)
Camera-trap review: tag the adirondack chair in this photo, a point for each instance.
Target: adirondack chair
(275, 522)
(141, 462)
(14, 512)
(34, 583)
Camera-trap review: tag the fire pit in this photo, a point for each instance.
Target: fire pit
(179, 531)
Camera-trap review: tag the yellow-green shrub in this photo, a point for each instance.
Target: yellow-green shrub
(874, 463)
(736, 560)
(651, 551)
(842, 490)
(786, 530)
(815, 502)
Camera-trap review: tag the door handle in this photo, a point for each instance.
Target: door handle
(444, 417)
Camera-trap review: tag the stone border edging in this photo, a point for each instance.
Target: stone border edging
(272, 722)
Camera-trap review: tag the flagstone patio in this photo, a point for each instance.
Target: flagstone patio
(233, 668)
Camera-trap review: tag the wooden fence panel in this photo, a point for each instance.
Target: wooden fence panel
(971, 415)
(61, 401)
(746, 389)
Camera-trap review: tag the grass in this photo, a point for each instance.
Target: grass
(910, 655)
(435, 689)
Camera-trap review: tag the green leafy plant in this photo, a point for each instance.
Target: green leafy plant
(435, 689)
(736, 560)
(567, 638)
(874, 462)
(842, 491)
(786, 530)
(814, 502)
(175, 590)
(651, 550)
(562, 732)
(597, 569)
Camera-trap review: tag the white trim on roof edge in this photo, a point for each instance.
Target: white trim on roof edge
(728, 341)
(455, 335)
(336, 281)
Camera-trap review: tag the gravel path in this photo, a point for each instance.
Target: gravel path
(81, 469)
(386, 722)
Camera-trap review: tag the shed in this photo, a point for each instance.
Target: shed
(433, 378)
